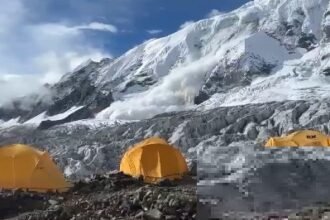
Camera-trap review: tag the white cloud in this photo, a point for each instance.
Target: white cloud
(156, 31)
(11, 13)
(54, 65)
(18, 85)
(214, 12)
(99, 27)
(35, 53)
(186, 24)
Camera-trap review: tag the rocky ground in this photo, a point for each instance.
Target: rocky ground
(320, 211)
(227, 143)
(111, 196)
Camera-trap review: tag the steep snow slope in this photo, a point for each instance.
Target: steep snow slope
(264, 51)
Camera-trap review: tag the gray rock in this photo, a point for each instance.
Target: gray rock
(100, 213)
(193, 168)
(55, 208)
(52, 202)
(170, 217)
(173, 202)
(326, 216)
(251, 131)
(139, 215)
(153, 214)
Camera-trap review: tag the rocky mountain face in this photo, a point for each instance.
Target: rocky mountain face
(74, 89)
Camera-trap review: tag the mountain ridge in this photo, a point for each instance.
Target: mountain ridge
(253, 51)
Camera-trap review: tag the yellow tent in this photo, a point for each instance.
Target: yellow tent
(26, 168)
(154, 159)
(299, 139)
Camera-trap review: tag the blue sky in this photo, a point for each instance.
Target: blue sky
(40, 40)
(133, 18)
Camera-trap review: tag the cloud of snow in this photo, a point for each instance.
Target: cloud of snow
(186, 24)
(12, 86)
(34, 53)
(156, 31)
(176, 92)
(214, 12)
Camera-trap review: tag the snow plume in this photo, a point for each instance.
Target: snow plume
(33, 53)
(12, 86)
(186, 24)
(213, 13)
(176, 92)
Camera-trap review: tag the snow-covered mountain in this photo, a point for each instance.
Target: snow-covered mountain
(267, 50)
(217, 89)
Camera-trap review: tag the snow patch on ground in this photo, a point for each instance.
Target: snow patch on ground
(43, 116)
(94, 123)
(9, 123)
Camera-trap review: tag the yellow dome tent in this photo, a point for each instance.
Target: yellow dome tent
(154, 159)
(299, 139)
(24, 167)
